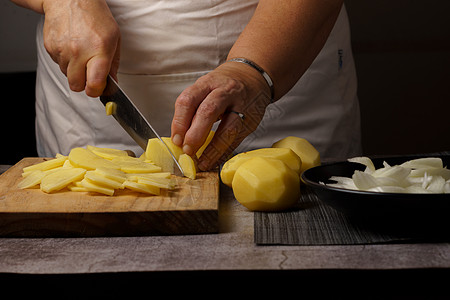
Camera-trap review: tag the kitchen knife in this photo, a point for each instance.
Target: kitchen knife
(131, 119)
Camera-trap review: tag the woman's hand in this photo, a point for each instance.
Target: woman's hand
(83, 38)
(234, 93)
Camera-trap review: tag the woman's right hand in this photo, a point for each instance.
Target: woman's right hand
(83, 38)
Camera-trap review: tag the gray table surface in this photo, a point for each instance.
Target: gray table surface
(233, 248)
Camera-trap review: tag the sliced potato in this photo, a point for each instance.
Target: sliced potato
(46, 165)
(110, 108)
(130, 164)
(108, 153)
(188, 165)
(99, 179)
(142, 188)
(164, 183)
(83, 158)
(31, 180)
(157, 152)
(205, 144)
(58, 180)
(93, 187)
(114, 174)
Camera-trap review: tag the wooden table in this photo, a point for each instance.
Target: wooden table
(232, 252)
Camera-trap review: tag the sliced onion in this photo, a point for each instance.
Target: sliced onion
(364, 161)
(435, 162)
(422, 175)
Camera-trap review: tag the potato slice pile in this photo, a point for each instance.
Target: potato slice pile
(421, 175)
(100, 170)
(105, 170)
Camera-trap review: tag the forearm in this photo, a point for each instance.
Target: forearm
(35, 5)
(284, 37)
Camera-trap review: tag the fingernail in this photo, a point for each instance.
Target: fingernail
(187, 149)
(177, 139)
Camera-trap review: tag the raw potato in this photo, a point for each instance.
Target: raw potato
(188, 166)
(110, 108)
(83, 158)
(203, 147)
(308, 154)
(141, 187)
(105, 170)
(91, 186)
(286, 155)
(32, 179)
(99, 179)
(84, 171)
(158, 153)
(163, 183)
(176, 151)
(266, 184)
(60, 179)
(150, 175)
(113, 174)
(107, 153)
(130, 164)
(46, 165)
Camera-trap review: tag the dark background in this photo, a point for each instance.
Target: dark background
(401, 50)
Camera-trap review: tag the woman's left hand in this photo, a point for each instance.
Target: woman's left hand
(234, 93)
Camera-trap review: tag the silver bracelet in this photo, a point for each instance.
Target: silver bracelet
(260, 70)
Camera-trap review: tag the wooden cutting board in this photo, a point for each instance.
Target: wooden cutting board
(191, 208)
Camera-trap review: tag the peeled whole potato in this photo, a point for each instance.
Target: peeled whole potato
(308, 154)
(286, 155)
(266, 184)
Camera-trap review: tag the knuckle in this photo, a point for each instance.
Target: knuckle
(106, 40)
(233, 84)
(184, 100)
(208, 110)
(55, 50)
(74, 48)
(178, 124)
(227, 86)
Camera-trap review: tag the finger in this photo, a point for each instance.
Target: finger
(185, 108)
(228, 136)
(76, 75)
(208, 112)
(97, 70)
(60, 61)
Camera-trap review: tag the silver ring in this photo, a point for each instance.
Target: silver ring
(241, 115)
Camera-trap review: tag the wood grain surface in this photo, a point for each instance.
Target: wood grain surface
(191, 208)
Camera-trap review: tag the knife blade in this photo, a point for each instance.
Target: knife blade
(131, 119)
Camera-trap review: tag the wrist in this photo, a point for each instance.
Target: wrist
(260, 70)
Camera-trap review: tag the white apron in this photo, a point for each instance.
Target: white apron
(166, 46)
